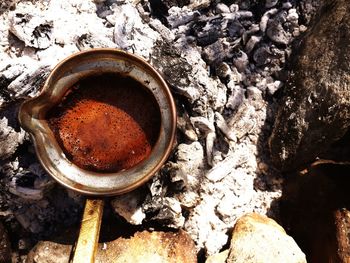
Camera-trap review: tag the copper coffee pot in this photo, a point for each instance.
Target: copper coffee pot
(33, 118)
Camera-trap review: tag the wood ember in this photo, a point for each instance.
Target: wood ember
(224, 63)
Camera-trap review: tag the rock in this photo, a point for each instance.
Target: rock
(315, 209)
(218, 258)
(48, 252)
(5, 246)
(259, 239)
(342, 224)
(157, 247)
(315, 111)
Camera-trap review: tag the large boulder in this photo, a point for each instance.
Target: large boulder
(315, 111)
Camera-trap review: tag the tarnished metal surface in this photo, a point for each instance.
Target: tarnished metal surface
(32, 116)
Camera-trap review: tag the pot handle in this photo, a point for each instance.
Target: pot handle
(86, 247)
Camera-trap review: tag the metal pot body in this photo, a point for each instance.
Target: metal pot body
(32, 116)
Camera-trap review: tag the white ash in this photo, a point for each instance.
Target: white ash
(10, 139)
(129, 206)
(223, 64)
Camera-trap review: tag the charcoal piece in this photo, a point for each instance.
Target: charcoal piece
(240, 60)
(262, 56)
(235, 29)
(315, 110)
(176, 69)
(208, 32)
(276, 32)
(34, 31)
(215, 53)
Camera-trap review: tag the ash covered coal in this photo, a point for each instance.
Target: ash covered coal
(224, 62)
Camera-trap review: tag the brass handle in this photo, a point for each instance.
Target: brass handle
(86, 246)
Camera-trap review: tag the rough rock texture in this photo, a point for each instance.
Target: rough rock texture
(218, 258)
(157, 247)
(342, 222)
(315, 111)
(315, 210)
(5, 246)
(259, 239)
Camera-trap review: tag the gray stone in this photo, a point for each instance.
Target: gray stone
(315, 111)
(259, 239)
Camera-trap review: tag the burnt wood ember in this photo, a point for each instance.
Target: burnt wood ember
(106, 123)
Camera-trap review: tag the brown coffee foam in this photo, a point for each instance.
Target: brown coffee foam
(107, 123)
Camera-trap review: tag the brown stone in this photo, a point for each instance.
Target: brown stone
(259, 239)
(49, 252)
(5, 247)
(150, 247)
(218, 258)
(342, 224)
(170, 247)
(309, 209)
(315, 110)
